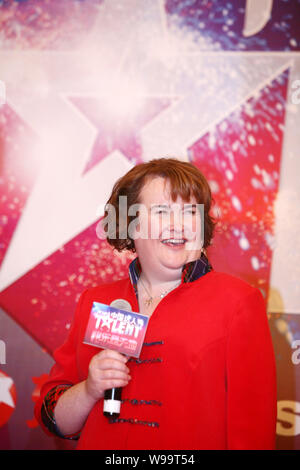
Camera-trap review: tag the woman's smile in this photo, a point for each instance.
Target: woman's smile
(174, 243)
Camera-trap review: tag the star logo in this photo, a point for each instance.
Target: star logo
(119, 119)
(7, 397)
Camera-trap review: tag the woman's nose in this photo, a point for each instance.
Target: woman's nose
(176, 220)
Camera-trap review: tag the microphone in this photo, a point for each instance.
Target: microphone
(112, 397)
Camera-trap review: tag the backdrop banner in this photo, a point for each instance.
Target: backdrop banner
(90, 88)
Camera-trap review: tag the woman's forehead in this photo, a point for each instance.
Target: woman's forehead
(158, 190)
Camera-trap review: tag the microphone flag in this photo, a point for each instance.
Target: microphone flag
(114, 328)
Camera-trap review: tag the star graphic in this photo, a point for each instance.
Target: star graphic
(118, 128)
(106, 322)
(5, 395)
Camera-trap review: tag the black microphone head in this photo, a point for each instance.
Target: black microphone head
(121, 304)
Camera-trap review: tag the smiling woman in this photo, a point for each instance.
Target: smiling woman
(184, 181)
(205, 378)
(172, 200)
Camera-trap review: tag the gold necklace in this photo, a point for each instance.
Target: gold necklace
(148, 302)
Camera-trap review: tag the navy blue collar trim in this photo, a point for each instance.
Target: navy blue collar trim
(190, 271)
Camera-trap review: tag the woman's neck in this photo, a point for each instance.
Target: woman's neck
(151, 292)
(160, 283)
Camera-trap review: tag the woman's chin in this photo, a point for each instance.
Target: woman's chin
(180, 254)
(173, 258)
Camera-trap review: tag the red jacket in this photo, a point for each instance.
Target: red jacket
(207, 382)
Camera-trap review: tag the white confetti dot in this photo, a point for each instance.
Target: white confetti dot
(229, 175)
(255, 263)
(251, 139)
(236, 203)
(268, 126)
(266, 178)
(244, 243)
(256, 184)
(235, 145)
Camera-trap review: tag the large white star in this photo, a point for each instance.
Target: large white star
(5, 395)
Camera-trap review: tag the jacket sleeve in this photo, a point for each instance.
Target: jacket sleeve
(62, 375)
(251, 378)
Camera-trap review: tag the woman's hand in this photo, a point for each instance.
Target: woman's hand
(107, 369)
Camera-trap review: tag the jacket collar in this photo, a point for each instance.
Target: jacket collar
(190, 271)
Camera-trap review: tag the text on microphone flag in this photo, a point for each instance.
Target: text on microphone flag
(114, 328)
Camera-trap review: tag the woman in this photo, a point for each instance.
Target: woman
(206, 377)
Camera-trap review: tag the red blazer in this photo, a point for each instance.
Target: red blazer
(207, 381)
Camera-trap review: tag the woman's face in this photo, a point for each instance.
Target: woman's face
(169, 233)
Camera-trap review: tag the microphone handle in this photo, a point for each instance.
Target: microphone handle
(112, 397)
(112, 402)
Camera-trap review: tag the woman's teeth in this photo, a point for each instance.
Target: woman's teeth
(174, 242)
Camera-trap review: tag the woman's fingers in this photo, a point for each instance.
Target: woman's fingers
(114, 364)
(107, 370)
(109, 353)
(110, 360)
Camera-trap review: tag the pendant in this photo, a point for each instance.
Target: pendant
(148, 302)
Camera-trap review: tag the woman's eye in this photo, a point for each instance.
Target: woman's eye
(190, 211)
(162, 211)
